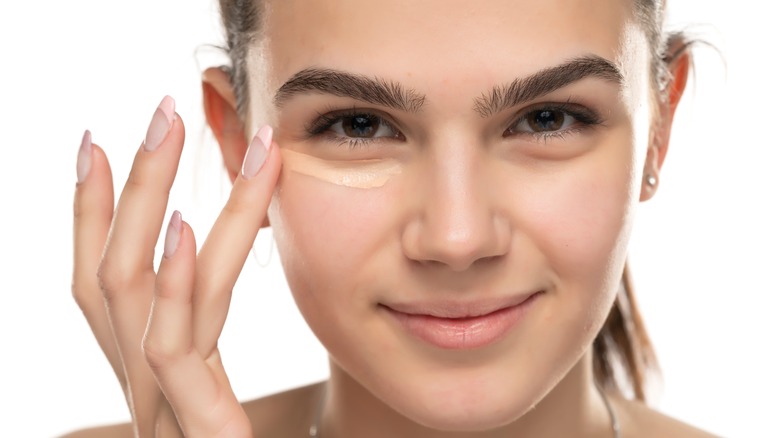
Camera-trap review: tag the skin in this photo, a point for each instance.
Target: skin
(458, 238)
(439, 229)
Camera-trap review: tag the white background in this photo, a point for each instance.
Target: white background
(704, 252)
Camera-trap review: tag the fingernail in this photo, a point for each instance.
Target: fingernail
(257, 152)
(84, 160)
(161, 124)
(172, 235)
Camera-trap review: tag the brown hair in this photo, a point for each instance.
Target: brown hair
(623, 355)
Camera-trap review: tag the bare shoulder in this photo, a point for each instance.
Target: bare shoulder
(637, 420)
(288, 413)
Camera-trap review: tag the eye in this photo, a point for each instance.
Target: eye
(544, 120)
(355, 127)
(553, 120)
(362, 126)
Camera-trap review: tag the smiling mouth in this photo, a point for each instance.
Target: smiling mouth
(454, 326)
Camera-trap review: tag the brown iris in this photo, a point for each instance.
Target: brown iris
(361, 126)
(545, 120)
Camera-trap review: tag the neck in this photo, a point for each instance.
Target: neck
(350, 410)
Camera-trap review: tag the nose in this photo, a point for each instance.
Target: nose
(457, 221)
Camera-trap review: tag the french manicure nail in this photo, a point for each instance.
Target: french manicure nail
(84, 160)
(172, 235)
(257, 152)
(160, 124)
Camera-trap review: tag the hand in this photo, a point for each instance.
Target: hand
(159, 331)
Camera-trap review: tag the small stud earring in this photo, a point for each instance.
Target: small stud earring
(651, 180)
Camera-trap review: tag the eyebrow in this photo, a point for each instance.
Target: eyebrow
(339, 83)
(393, 95)
(546, 81)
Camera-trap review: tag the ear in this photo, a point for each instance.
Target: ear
(679, 64)
(219, 106)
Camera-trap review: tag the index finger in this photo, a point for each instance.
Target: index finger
(228, 244)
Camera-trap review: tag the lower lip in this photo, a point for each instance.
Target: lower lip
(464, 333)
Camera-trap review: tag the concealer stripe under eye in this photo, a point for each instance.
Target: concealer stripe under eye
(360, 174)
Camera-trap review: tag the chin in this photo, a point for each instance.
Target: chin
(471, 405)
(471, 416)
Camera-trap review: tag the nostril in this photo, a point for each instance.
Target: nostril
(457, 262)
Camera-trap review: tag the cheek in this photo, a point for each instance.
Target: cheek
(578, 214)
(327, 235)
(589, 223)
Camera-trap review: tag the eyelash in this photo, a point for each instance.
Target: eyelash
(583, 119)
(327, 120)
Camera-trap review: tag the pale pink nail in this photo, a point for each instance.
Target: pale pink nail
(84, 160)
(172, 235)
(160, 124)
(257, 152)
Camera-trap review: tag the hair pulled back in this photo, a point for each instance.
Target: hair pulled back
(623, 354)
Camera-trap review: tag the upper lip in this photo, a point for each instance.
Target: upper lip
(454, 309)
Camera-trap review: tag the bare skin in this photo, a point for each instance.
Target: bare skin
(288, 414)
(438, 231)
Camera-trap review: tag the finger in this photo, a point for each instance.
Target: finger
(202, 399)
(93, 207)
(169, 332)
(126, 273)
(141, 207)
(203, 405)
(228, 244)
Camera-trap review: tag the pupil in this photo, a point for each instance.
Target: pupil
(360, 126)
(547, 120)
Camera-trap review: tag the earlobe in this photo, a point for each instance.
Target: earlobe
(650, 175)
(219, 106)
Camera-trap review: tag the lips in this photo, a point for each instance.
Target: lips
(462, 326)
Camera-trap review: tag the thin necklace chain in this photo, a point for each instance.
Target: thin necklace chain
(612, 417)
(314, 429)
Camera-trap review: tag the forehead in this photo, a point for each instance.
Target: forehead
(429, 43)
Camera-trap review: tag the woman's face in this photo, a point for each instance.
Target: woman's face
(443, 162)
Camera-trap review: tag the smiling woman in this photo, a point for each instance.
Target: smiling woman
(452, 202)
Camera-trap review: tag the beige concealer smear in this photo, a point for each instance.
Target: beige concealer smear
(359, 174)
